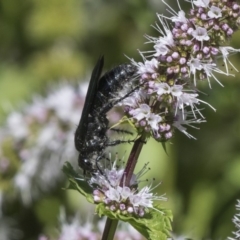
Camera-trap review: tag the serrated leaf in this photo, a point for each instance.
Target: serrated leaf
(155, 225)
(160, 229)
(69, 171)
(76, 183)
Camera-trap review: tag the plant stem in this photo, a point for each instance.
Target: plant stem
(111, 225)
(132, 161)
(109, 229)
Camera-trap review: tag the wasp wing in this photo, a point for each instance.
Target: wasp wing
(88, 105)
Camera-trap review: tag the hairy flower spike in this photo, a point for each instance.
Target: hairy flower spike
(124, 199)
(181, 58)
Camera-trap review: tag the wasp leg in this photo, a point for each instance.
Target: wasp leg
(121, 131)
(116, 142)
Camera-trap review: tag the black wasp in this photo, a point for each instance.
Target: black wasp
(90, 137)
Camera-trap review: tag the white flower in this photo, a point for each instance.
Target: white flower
(114, 176)
(113, 194)
(62, 101)
(162, 44)
(180, 17)
(153, 120)
(23, 183)
(161, 49)
(183, 119)
(200, 34)
(140, 95)
(176, 90)
(201, 3)
(194, 64)
(37, 110)
(167, 39)
(209, 68)
(143, 198)
(226, 51)
(47, 136)
(148, 66)
(131, 101)
(161, 88)
(141, 112)
(125, 192)
(215, 12)
(17, 125)
(188, 99)
(164, 88)
(177, 16)
(75, 231)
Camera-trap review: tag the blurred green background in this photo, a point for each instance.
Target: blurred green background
(45, 41)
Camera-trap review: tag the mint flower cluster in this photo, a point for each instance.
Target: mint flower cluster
(126, 200)
(182, 57)
(37, 140)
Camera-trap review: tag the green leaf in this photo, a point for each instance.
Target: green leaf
(155, 225)
(77, 183)
(164, 147)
